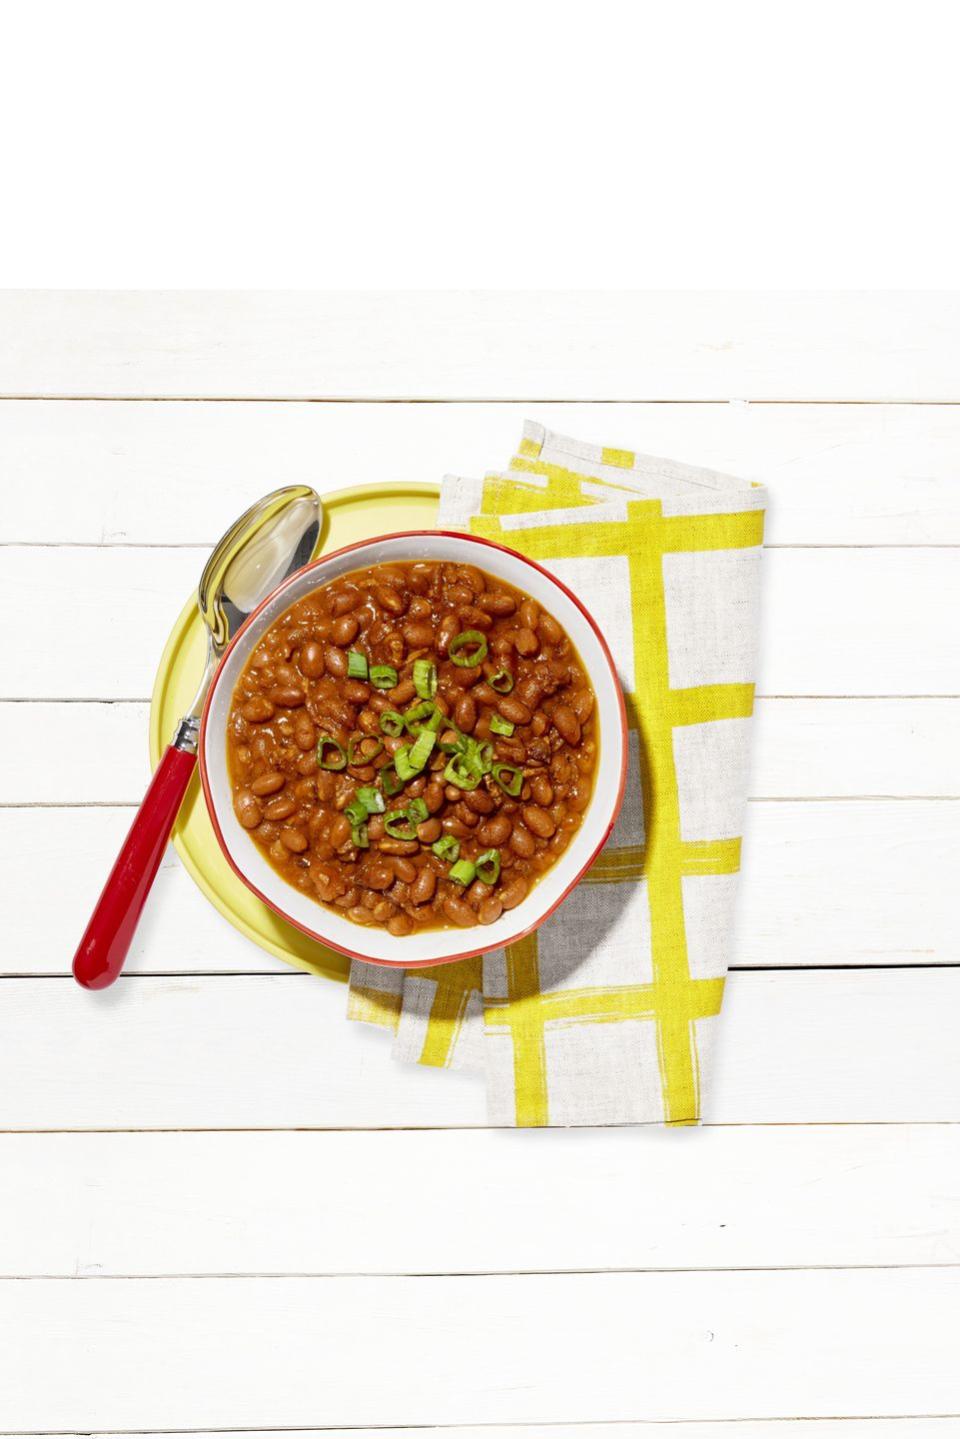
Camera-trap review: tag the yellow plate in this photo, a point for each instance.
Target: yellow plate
(349, 516)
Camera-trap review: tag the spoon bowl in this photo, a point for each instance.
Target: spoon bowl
(269, 542)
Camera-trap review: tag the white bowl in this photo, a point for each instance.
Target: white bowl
(430, 946)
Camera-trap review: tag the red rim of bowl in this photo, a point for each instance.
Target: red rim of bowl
(295, 578)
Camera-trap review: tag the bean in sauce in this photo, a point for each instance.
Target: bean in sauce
(413, 745)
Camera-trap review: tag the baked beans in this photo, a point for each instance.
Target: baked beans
(413, 745)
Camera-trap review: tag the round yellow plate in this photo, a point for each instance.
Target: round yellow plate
(349, 516)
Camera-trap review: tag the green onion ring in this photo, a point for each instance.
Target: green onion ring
(457, 773)
(391, 781)
(425, 678)
(383, 677)
(371, 799)
(488, 866)
(468, 648)
(340, 762)
(417, 811)
(514, 784)
(398, 825)
(355, 755)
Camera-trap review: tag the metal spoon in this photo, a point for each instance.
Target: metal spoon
(275, 537)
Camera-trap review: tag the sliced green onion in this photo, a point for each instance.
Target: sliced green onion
(383, 677)
(371, 799)
(391, 781)
(446, 847)
(509, 778)
(356, 665)
(502, 682)
(402, 823)
(398, 825)
(455, 745)
(336, 760)
(488, 866)
(355, 750)
(425, 678)
(359, 835)
(423, 716)
(468, 648)
(356, 811)
(405, 770)
(499, 725)
(464, 871)
(460, 772)
(485, 756)
(421, 750)
(391, 723)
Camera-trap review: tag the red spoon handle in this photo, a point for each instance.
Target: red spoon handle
(99, 958)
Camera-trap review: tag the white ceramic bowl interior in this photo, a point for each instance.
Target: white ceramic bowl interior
(433, 946)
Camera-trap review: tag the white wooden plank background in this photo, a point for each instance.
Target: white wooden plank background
(447, 345)
(497, 1348)
(288, 1203)
(207, 1174)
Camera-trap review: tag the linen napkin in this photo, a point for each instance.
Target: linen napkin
(607, 1014)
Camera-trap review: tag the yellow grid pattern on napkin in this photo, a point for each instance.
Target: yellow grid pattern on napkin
(725, 517)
